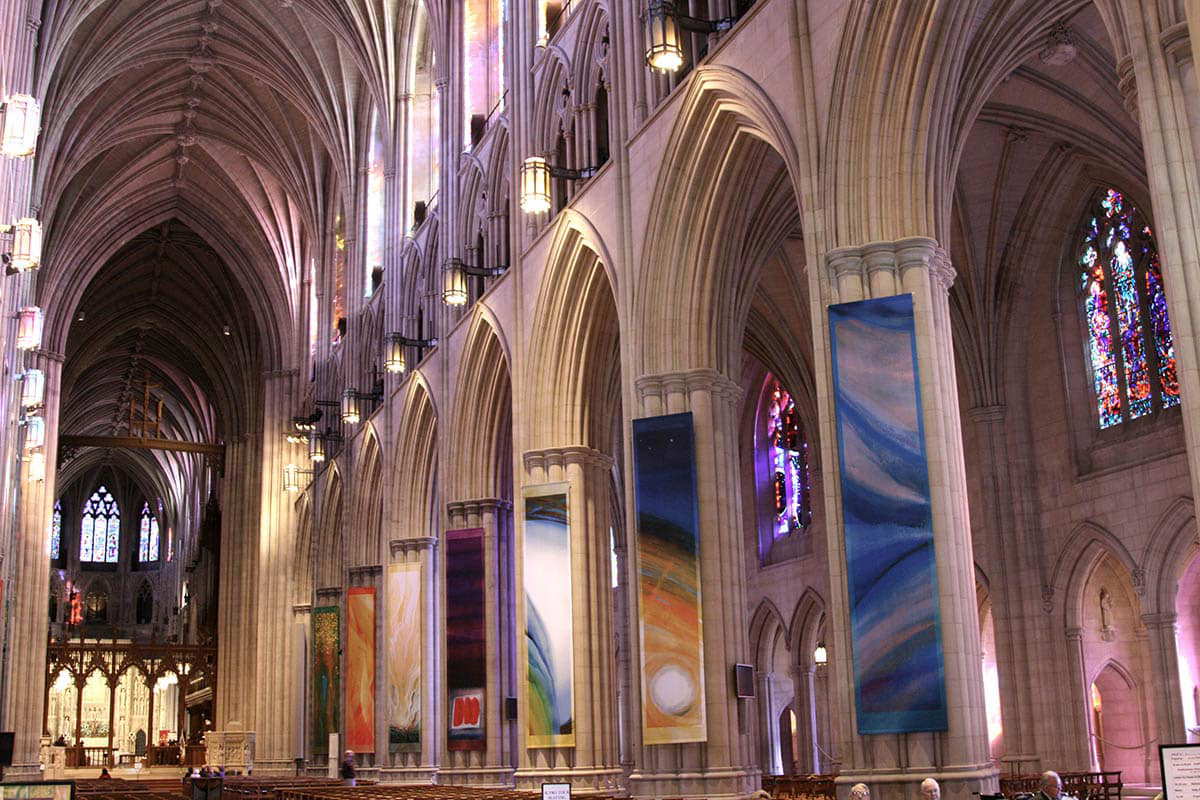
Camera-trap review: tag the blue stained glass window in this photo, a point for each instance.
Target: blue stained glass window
(787, 455)
(1130, 344)
(100, 530)
(148, 536)
(56, 532)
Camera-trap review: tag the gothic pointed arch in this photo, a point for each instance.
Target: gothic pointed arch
(481, 436)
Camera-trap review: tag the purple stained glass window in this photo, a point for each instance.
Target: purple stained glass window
(56, 532)
(1130, 345)
(787, 457)
(148, 536)
(100, 530)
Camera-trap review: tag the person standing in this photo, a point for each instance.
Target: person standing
(347, 769)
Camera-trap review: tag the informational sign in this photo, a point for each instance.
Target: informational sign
(49, 790)
(1180, 771)
(556, 791)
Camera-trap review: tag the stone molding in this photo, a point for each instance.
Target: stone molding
(913, 252)
(329, 591)
(365, 570)
(1177, 43)
(480, 506)
(686, 382)
(561, 456)
(398, 546)
(992, 413)
(302, 608)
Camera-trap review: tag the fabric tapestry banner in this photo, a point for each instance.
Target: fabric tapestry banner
(360, 669)
(466, 652)
(549, 633)
(326, 675)
(406, 637)
(899, 673)
(668, 552)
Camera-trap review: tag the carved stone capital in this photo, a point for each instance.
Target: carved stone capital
(416, 544)
(844, 261)
(562, 456)
(365, 570)
(686, 382)
(1177, 43)
(986, 414)
(480, 506)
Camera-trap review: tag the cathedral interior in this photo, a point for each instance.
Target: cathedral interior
(642, 395)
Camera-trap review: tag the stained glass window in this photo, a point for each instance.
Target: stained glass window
(1130, 345)
(787, 456)
(100, 533)
(56, 532)
(148, 536)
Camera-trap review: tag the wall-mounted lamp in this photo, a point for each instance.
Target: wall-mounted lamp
(454, 279)
(316, 448)
(353, 409)
(665, 52)
(820, 655)
(536, 173)
(306, 424)
(318, 445)
(291, 477)
(35, 432)
(37, 466)
(29, 328)
(394, 360)
(295, 437)
(33, 389)
(22, 246)
(20, 122)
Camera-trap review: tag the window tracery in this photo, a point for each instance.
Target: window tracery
(1130, 343)
(100, 531)
(56, 532)
(148, 536)
(787, 464)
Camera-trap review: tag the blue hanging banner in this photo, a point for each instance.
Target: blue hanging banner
(891, 571)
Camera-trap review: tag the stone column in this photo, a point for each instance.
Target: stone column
(113, 680)
(1162, 639)
(238, 586)
(276, 545)
(495, 766)
(722, 765)
(768, 722)
(806, 754)
(29, 585)
(893, 765)
(593, 765)
(1159, 83)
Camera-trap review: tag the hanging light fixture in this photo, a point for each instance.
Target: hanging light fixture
(291, 477)
(396, 361)
(351, 407)
(33, 388)
(24, 252)
(454, 283)
(316, 448)
(19, 126)
(536, 173)
(29, 328)
(820, 655)
(665, 51)
(35, 432)
(535, 185)
(295, 437)
(454, 279)
(37, 466)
